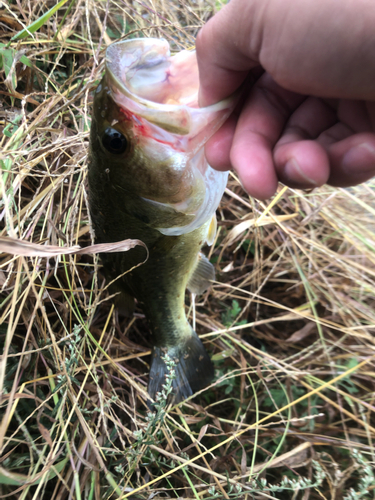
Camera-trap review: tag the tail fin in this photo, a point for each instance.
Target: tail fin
(194, 369)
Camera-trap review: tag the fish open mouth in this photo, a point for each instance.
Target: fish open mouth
(146, 68)
(163, 89)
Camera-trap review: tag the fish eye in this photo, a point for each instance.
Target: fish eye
(114, 141)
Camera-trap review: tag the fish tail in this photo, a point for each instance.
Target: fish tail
(193, 369)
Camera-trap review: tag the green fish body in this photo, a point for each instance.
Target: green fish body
(149, 180)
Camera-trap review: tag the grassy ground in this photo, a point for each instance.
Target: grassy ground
(289, 322)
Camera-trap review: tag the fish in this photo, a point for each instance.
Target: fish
(148, 179)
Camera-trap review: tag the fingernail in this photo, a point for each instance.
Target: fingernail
(362, 155)
(294, 173)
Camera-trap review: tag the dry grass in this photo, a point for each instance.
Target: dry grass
(290, 322)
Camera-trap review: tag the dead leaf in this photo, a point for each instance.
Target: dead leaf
(45, 433)
(302, 333)
(10, 21)
(243, 461)
(202, 432)
(14, 246)
(295, 458)
(3, 278)
(257, 222)
(228, 268)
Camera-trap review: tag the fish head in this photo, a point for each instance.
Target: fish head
(148, 133)
(122, 142)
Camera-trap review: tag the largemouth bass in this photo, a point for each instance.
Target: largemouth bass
(149, 180)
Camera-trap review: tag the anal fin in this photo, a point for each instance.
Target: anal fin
(202, 276)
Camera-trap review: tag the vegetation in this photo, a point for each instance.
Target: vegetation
(289, 323)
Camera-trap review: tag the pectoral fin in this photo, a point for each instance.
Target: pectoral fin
(125, 304)
(124, 301)
(202, 276)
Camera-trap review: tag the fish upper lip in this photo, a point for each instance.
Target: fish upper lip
(135, 57)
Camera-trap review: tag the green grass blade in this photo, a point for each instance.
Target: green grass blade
(8, 56)
(12, 478)
(38, 23)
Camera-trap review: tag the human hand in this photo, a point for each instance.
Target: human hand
(310, 116)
